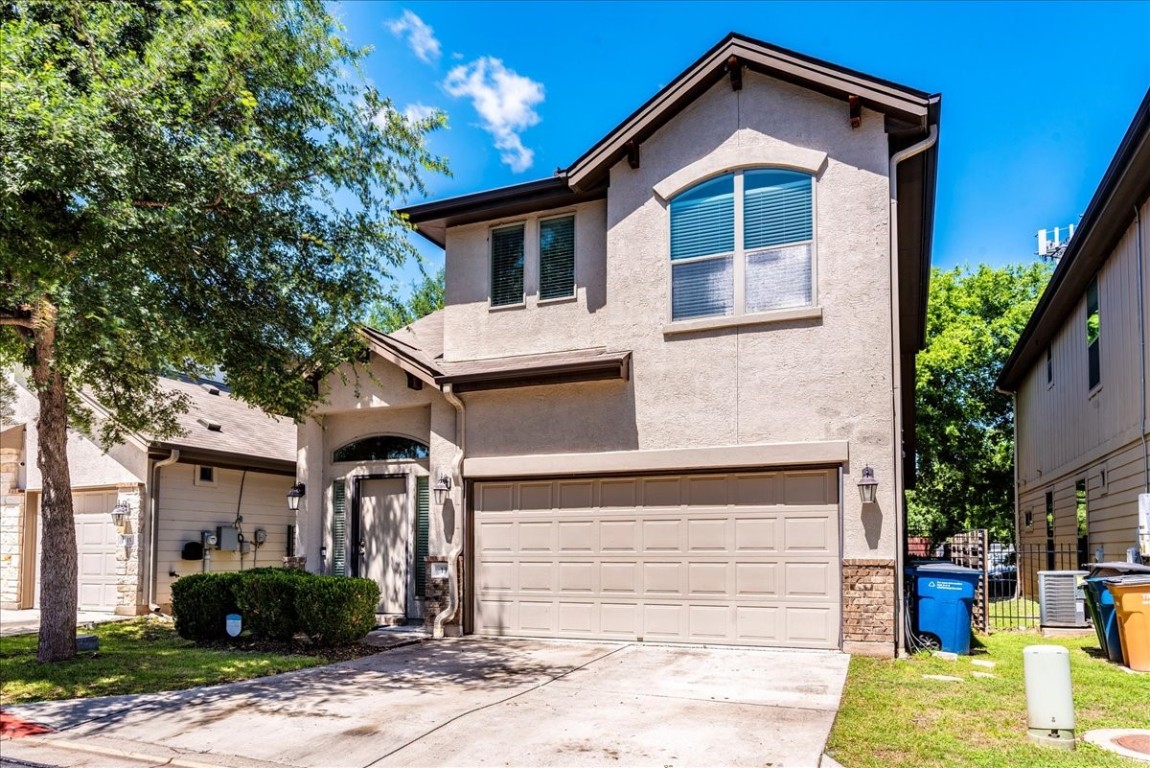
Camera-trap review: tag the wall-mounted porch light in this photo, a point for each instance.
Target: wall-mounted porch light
(294, 495)
(120, 516)
(868, 486)
(442, 487)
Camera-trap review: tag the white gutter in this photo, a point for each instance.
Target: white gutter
(896, 374)
(153, 522)
(457, 533)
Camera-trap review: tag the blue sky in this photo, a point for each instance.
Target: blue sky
(1036, 95)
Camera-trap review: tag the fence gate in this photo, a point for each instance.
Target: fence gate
(969, 549)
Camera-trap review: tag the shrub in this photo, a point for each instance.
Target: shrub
(201, 603)
(334, 610)
(266, 597)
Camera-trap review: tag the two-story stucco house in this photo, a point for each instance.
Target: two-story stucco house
(1079, 375)
(658, 377)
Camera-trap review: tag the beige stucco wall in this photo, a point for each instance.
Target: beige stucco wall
(823, 378)
(372, 400)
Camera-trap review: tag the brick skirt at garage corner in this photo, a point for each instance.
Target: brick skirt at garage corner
(868, 601)
(15, 728)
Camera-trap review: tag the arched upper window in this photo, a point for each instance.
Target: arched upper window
(381, 448)
(720, 269)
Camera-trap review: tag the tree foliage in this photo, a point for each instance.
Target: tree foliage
(965, 433)
(187, 183)
(393, 311)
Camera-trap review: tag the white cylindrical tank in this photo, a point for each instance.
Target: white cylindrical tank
(1049, 699)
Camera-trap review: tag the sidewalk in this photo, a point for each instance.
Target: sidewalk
(28, 621)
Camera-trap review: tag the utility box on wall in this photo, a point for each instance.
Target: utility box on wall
(227, 538)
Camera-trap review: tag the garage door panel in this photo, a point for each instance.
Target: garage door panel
(757, 580)
(619, 536)
(804, 580)
(662, 535)
(743, 558)
(756, 534)
(707, 535)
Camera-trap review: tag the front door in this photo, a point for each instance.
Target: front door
(381, 546)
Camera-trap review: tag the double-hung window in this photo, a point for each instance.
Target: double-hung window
(557, 258)
(741, 243)
(507, 266)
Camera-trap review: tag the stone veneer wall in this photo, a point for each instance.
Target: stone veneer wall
(129, 585)
(436, 599)
(11, 529)
(868, 606)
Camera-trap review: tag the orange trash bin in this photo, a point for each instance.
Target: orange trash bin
(1132, 604)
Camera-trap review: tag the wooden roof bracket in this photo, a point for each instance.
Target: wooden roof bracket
(735, 70)
(632, 148)
(855, 110)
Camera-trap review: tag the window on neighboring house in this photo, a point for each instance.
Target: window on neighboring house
(1049, 366)
(719, 268)
(204, 476)
(1082, 515)
(1093, 333)
(1050, 530)
(507, 266)
(557, 258)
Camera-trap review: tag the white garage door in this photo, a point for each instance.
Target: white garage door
(96, 547)
(739, 558)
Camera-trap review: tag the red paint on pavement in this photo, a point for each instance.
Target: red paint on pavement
(15, 728)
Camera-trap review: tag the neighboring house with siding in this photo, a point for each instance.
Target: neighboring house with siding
(1079, 374)
(231, 459)
(657, 378)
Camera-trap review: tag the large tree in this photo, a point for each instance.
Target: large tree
(394, 310)
(185, 183)
(965, 435)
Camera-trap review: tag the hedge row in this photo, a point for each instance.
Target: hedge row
(275, 605)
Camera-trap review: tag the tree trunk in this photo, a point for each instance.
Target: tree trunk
(58, 599)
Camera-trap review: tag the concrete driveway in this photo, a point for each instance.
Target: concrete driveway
(471, 702)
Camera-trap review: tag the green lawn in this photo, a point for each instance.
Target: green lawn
(139, 656)
(892, 716)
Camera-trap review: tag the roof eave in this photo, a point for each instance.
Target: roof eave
(607, 368)
(1124, 186)
(391, 351)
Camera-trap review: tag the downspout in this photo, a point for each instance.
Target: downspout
(1142, 344)
(457, 533)
(896, 380)
(153, 522)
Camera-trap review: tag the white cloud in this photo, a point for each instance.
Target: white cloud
(417, 112)
(420, 36)
(505, 102)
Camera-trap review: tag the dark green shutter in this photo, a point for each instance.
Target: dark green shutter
(338, 529)
(422, 531)
(557, 258)
(507, 266)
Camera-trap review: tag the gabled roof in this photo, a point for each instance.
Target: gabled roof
(418, 349)
(225, 431)
(1125, 186)
(910, 106)
(909, 113)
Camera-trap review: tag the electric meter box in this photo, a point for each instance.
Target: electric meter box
(227, 538)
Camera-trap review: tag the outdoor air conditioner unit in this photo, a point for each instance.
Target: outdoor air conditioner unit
(1061, 600)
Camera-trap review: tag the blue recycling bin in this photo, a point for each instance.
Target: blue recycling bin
(944, 599)
(1106, 625)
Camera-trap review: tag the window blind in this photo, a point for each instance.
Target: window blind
(778, 278)
(703, 219)
(702, 288)
(507, 266)
(422, 532)
(338, 529)
(776, 208)
(557, 258)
